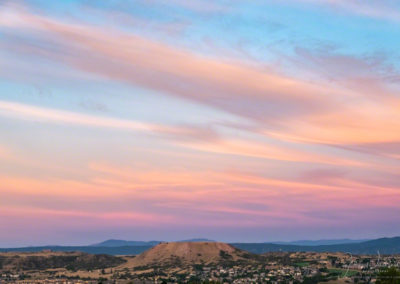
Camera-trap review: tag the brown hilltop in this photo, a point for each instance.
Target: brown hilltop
(189, 253)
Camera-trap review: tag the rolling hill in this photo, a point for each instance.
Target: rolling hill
(123, 250)
(51, 260)
(180, 254)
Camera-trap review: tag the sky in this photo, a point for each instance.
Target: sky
(248, 121)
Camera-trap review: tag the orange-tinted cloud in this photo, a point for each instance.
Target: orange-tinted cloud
(49, 115)
(226, 85)
(288, 108)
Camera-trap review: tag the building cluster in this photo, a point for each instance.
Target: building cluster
(287, 268)
(300, 268)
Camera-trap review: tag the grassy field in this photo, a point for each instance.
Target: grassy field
(302, 264)
(342, 272)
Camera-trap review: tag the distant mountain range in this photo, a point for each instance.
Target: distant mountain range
(321, 242)
(383, 246)
(121, 247)
(123, 243)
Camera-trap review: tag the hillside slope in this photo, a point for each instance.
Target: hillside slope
(51, 260)
(190, 253)
(122, 250)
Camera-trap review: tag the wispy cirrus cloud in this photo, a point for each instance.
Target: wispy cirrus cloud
(49, 115)
(285, 107)
(189, 136)
(385, 10)
(123, 194)
(228, 86)
(390, 149)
